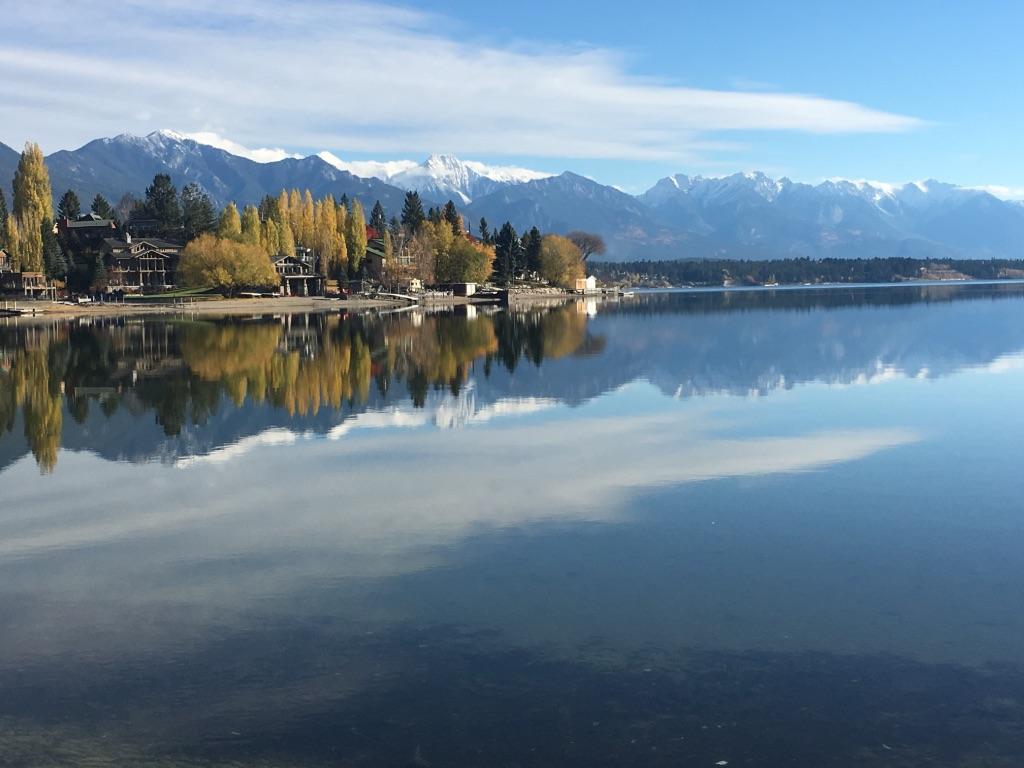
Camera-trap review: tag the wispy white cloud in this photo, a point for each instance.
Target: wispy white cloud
(261, 155)
(1001, 191)
(356, 77)
(381, 169)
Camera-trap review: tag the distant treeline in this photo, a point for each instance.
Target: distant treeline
(740, 272)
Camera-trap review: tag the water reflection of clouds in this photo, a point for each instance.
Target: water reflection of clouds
(423, 487)
(255, 527)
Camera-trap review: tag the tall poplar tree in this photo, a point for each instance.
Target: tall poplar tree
(282, 208)
(230, 224)
(11, 243)
(355, 238)
(32, 193)
(305, 233)
(287, 240)
(250, 225)
(33, 204)
(271, 237)
(3, 218)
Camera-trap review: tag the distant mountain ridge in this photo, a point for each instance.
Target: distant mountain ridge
(442, 177)
(745, 215)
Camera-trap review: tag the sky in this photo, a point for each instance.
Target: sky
(625, 93)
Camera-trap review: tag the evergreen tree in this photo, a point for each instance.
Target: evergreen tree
(378, 219)
(507, 252)
(230, 224)
(412, 212)
(451, 214)
(99, 279)
(197, 213)
(532, 247)
(54, 263)
(268, 209)
(161, 205)
(101, 207)
(69, 207)
(485, 233)
(346, 202)
(433, 215)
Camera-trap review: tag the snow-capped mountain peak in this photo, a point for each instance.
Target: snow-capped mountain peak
(440, 176)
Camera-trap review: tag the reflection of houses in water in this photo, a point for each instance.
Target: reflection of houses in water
(301, 333)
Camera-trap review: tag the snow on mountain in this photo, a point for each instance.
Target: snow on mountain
(439, 176)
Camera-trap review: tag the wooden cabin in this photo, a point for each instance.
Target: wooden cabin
(145, 265)
(298, 278)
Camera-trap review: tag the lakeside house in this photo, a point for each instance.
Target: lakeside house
(145, 265)
(86, 232)
(31, 285)
(586, 284)
(298, 277)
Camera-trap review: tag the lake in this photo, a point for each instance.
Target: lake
(757, 528)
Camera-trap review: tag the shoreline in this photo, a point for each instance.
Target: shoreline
(37, 308)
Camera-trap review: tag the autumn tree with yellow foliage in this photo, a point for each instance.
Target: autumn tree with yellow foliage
(355, 238)
(560, 262)
(32, 210)
(226, 264)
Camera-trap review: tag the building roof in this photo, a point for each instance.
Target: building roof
(144, 251)
(117, 244)
(86, 221)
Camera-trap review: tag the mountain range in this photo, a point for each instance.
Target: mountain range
(745, 215)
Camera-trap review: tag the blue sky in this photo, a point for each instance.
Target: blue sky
(624, 93)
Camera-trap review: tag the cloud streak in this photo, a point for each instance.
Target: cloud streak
(354, 77)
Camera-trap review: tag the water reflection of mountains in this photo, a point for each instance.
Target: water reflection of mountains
(163, 389)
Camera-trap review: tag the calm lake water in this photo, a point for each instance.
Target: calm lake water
(687, 529)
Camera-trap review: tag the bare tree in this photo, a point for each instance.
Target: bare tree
(588, 243)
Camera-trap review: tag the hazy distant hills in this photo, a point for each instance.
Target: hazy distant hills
(746, 215)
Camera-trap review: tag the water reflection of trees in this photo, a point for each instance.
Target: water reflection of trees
(183, 372)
